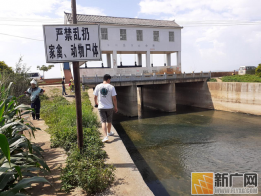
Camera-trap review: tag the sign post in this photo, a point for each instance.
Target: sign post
(77, 84)
(73, 43)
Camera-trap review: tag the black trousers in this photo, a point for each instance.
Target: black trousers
(36, 105)
(64, 93)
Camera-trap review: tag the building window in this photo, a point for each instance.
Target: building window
(104, 33)
(123, 34)
(171, 36)
(139, 35)
(156, 36)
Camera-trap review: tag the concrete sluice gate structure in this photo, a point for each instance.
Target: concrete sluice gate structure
(143, 82)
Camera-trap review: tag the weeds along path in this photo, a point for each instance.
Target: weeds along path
(56, 90)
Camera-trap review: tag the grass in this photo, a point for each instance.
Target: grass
(241, 78)
(212, 80)
(44, 97)
(87, 169)
(39, 83)
(55, 92)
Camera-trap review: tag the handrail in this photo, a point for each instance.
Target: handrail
(151, 77)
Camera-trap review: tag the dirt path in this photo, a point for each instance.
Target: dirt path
(55, 159)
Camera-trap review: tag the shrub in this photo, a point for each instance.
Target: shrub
(241, 78)
(20, 85)
(258, 70)
(212, 80)
(19, 80)
(44, 97)
(87, 170)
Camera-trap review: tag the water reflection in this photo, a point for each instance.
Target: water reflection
(167, 147)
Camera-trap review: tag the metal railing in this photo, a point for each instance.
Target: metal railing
(145, 77)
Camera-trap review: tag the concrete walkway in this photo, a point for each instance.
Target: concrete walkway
(128, 178)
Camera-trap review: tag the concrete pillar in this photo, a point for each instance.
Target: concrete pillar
(108, 60)
(148, 59)
(139, 101)
(179, 60)
(139, 96)
(139, 59)
(159, 96)
(127, 100)
(168, 57)
(195, 94)
(114, 57)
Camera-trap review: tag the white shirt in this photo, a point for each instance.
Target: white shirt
(105, 92)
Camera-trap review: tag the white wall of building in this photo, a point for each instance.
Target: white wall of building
(131, 44)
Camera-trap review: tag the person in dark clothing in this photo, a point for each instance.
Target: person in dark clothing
(63, 85)
(34, 92)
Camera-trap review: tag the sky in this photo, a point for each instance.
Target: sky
(217, 35)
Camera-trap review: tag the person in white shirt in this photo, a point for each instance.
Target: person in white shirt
(105, 99)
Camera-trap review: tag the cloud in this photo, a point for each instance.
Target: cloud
(230, 9)
(65, 6)
(42, 8)
(26, 8)
(25, 18)
(209, 46)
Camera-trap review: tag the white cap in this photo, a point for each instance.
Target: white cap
(33, 82)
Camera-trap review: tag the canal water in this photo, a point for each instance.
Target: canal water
(167, 147)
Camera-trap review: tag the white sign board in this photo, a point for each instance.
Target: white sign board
(68, 43)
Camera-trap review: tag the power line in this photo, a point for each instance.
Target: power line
(181, 23)
(218, 23)
(31, 19)
(185, 23)
(21, 25)
(21, 37)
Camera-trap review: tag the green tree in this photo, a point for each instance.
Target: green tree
(258, 70)
(5, 68)
(45, 68)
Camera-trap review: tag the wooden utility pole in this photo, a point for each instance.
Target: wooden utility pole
(76, 73)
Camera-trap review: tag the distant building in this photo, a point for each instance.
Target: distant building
(134, 36)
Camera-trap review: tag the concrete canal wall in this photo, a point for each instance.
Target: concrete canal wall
(159, 96)
(226, 96)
